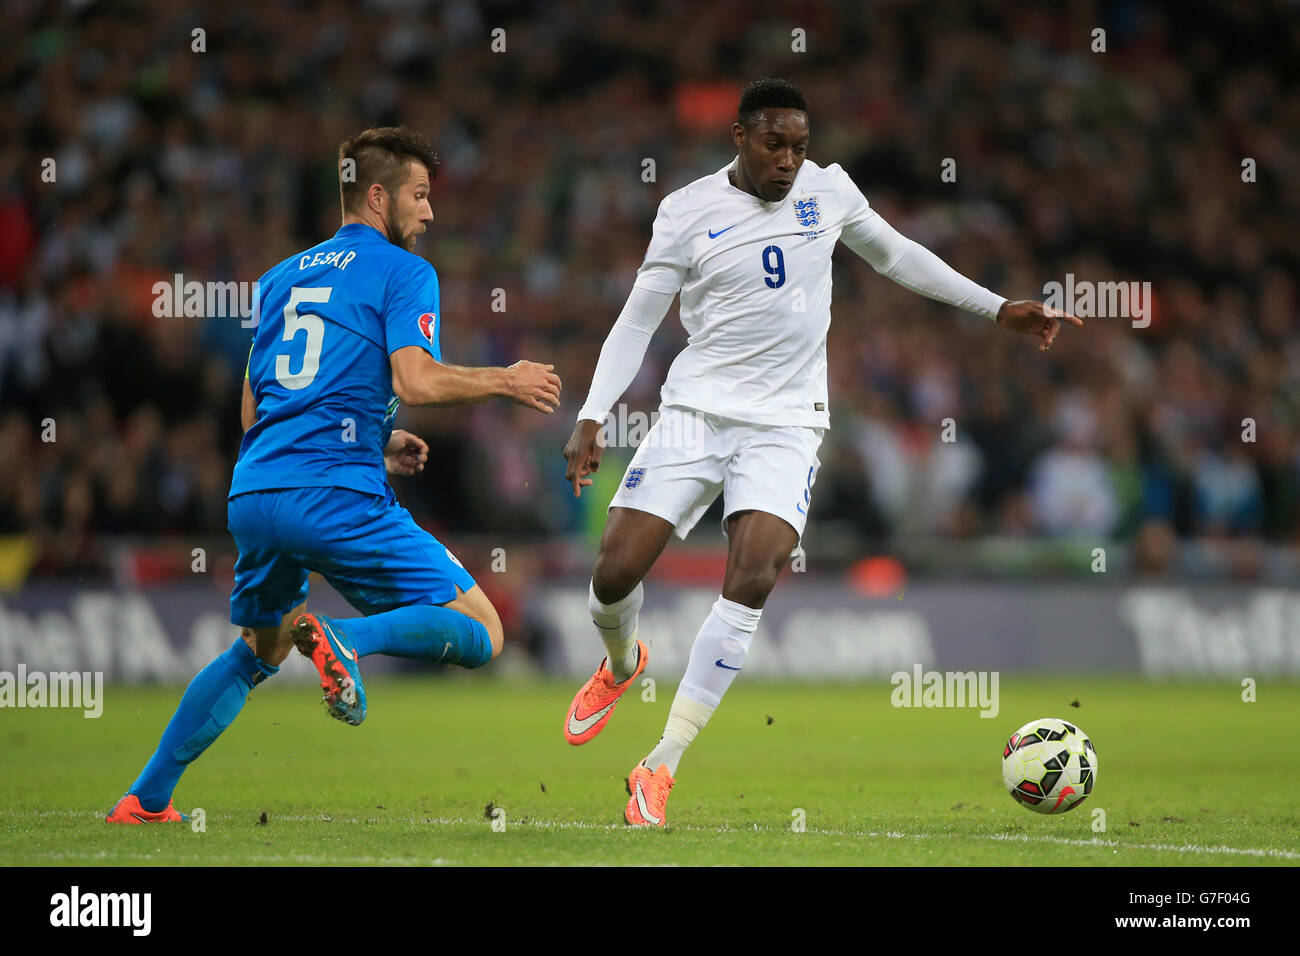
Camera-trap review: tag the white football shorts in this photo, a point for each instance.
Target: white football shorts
(688, 458)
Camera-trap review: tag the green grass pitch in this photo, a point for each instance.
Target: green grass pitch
(1189, 775)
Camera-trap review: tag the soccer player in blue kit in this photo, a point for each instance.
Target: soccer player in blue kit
(346, 331)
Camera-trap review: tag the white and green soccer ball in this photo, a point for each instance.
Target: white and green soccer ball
(1049, 765)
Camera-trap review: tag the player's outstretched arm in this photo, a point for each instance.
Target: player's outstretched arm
(620, 358)
(420, 379)
(915, 267)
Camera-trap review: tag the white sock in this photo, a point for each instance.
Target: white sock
(617, 626)
(686, 718)
(717, 656)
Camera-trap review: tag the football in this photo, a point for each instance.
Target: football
(1049, 765)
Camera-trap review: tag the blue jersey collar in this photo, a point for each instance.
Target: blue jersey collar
(358, 230)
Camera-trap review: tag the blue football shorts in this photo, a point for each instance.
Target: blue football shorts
(367, 547)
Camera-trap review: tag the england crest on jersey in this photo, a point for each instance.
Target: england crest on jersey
(807, 213)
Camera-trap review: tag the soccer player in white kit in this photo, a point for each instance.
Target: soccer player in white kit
(744, 406)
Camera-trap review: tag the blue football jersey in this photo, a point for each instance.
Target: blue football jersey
(328, 319)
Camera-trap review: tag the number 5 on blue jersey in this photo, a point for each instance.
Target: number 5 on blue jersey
(314, 326)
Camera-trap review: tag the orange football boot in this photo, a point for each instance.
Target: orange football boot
(648, 792)
(594, 703)
(129, 811)
(336, 663)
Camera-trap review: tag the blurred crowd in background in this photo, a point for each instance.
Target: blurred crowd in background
(1123, 165)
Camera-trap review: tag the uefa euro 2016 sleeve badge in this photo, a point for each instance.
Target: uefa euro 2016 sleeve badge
(428, 325)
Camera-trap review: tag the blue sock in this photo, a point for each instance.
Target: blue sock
(425, 632)
(209, 705)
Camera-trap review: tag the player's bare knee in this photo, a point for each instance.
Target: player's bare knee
(496, 634)
(612, 580)
(474, 604)
(271, 645)
(750, 585)
(486, 614)
(280, 648)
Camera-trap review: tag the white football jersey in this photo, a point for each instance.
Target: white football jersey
(755, 284)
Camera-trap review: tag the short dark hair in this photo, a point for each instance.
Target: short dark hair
(768, 93)
(381, 155)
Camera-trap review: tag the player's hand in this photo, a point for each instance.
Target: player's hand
(583, 452)
(533, 385)
(1034, 318)
(405, 453)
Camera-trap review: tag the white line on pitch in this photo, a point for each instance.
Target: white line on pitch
(1098, 842)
